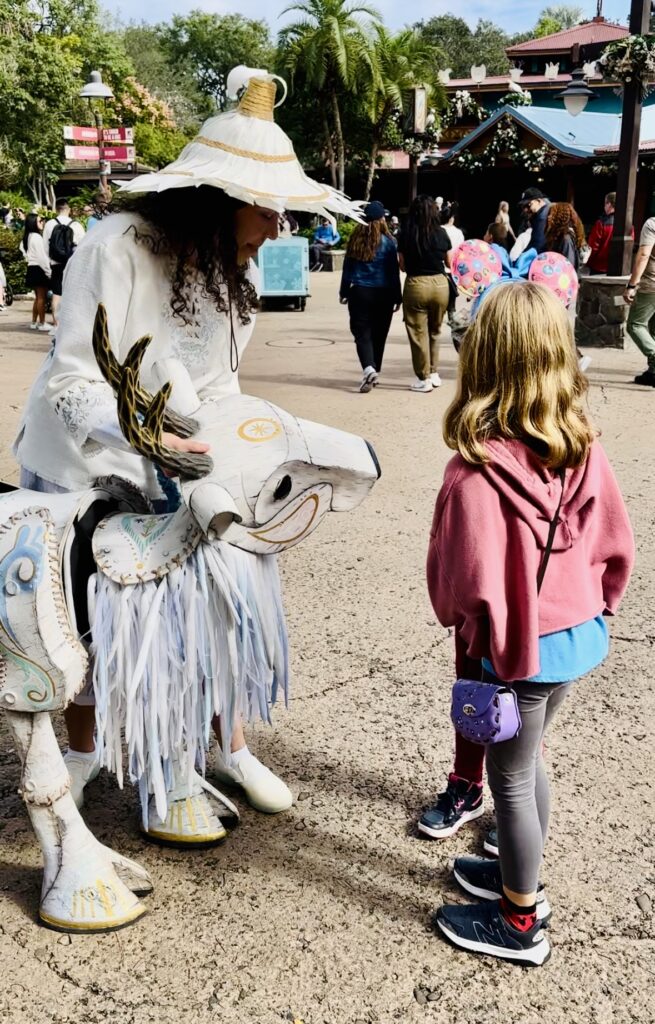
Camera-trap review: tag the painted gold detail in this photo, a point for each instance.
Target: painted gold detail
(259, 429)
(262, 534)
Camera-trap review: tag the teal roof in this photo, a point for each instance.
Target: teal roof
(579, 136)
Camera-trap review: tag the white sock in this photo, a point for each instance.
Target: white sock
(84, 755)
(237, 756)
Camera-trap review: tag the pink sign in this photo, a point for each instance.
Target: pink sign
(120, 153)
(77, 133)
(82, 153)
(125, 154)
(118, 134)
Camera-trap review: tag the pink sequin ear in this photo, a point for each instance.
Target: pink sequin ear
(556, 273)
(475, 266)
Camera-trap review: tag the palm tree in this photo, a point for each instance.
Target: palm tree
(330, 47)
(398, 63)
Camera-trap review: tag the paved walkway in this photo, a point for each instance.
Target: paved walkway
(322, 914)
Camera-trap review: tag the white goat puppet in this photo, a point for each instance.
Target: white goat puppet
(176, 609)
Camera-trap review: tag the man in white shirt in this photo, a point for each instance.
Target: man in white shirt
(59, 259)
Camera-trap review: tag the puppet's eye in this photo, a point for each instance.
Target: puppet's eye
(283, 489)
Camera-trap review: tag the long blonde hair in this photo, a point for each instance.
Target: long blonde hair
(519, 378)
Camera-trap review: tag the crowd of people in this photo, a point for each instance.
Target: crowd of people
(429, 233)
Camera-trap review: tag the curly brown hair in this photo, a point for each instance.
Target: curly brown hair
(365, 240)
(195, 228)
(563, 219)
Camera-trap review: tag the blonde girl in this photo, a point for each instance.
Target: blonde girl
(526, 456)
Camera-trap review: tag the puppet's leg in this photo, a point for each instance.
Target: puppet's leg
(191, 818)
(86, 886)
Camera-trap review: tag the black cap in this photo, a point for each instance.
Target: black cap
(374, 211)
(532, 193)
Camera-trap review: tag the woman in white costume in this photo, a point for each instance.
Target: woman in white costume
(175, 263)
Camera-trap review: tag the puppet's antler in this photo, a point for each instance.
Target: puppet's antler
(144, 431)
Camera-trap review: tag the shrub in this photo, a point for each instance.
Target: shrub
(12, 259)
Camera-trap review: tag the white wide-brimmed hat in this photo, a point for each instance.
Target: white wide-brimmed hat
(245, 153)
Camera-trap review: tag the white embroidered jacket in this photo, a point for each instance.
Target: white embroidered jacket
(70, 399)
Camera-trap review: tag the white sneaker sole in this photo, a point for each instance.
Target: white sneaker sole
(534, 957)
(488, 848)
(544, 912)
(446, 833)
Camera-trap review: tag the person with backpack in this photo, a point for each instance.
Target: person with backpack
(61, 236)
(530, 548)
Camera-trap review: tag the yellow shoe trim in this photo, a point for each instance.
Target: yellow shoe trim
(173, 837)
(97, 925)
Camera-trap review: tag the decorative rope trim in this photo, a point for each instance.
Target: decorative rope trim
(258, 99)
(249, 154)
(316, 198)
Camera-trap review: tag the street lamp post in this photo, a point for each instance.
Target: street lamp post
(95, 89)
(620, 252)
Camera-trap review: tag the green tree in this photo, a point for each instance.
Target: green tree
(329, 51)
(399, 62)
(208, 46)
(174, 85)
(556, 19)
(464, 47)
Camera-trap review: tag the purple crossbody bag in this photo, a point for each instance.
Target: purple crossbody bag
(489, 712)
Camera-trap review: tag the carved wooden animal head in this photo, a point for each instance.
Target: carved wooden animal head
(271, 477)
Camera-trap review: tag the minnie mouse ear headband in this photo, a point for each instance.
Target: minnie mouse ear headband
(477, 267)
(247, 155)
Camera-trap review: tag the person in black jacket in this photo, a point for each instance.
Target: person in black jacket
(537, 205)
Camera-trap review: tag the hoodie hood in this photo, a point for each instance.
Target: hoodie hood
(532, 490)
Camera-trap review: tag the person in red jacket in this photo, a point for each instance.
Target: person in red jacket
(526, 457)
(601, 236)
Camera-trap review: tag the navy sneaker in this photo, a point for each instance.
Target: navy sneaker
(490, 844)
(483, 929)
(481, 877)
(461, 802)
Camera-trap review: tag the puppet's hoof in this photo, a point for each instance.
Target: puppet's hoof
(92, 897)
(192, 820)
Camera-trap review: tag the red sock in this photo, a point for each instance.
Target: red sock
(520, 918)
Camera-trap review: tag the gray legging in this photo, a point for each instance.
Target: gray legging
(519, 784)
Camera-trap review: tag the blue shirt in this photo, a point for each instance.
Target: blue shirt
(326, 233)
(380, 272)
(568, 654)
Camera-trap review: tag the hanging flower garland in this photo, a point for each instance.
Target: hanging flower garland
(631, 59)
(460, 106)
(505, 143)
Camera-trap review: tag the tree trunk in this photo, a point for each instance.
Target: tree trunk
(330, 151)
(341, 149)
(375, 149)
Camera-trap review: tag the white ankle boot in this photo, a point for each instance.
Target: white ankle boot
(263, 790)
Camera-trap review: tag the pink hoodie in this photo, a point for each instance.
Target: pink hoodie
(488, 534)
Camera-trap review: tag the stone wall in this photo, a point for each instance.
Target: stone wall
(600, 319)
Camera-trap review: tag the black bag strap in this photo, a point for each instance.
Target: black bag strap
(551, 534)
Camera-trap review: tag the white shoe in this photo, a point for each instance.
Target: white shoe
(44, 327)
(82, 768)
(263, 790)
(435, 380)
(584, 363)
(192, 819)
(33, 326)
(421, 385)
(369, 380)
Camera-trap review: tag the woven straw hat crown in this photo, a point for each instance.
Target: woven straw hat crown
(245, 153)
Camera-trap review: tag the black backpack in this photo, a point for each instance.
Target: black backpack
(62, 245)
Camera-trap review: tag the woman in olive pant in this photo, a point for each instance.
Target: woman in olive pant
(424, 253)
